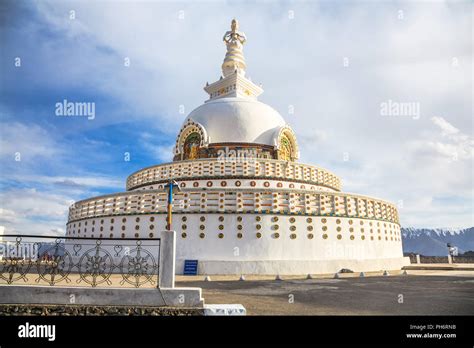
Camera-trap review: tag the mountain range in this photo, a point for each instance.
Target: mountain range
(433, 241)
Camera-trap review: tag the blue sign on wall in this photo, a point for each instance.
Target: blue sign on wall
(190, 267)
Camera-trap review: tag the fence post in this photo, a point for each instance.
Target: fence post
(166, 274)
(418, 258)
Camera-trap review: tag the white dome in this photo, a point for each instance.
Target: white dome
(238, 120)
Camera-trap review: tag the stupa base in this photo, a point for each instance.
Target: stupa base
(295, 267)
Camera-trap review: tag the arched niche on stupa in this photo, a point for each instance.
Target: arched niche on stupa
(191, 138)
(287, 147)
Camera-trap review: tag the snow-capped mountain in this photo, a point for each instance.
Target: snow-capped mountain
(432, 241)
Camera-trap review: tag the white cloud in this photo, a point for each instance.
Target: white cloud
(30, 141)
(161, 152)
(445, 126)
(28, 211)
(71, 181)
(7, 216)
(450, 142)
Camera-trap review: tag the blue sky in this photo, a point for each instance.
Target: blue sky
(333, 63)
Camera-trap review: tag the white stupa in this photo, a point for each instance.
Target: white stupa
(246, 206)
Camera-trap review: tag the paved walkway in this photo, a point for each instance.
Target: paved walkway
(418, 293)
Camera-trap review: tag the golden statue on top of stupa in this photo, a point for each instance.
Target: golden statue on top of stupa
(234, 59)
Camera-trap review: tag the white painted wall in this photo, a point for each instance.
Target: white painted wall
(267, 248)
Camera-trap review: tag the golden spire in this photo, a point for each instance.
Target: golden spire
(234, 59)
(233, 83)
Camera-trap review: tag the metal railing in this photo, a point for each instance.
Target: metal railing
(426, 259)
(76, 261)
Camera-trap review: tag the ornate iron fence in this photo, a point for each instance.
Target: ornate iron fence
(75, 261)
